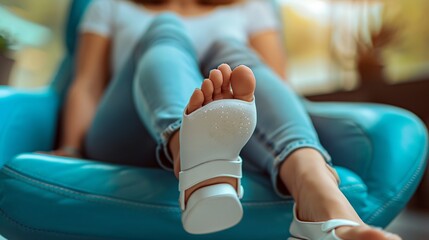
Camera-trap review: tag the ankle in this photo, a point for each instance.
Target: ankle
(303, 168)
(330, 200)
(173, 146)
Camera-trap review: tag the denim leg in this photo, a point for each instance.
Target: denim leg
(167, 74)
(143, 106)
(283, 124)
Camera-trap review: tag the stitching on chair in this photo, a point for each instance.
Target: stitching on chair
(104, 199)
(31, 229)
(355, 188)
(82, 196)
(388, 201)
(395, 199)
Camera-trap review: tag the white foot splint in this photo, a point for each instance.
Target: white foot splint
(317, 230)
(211, 139)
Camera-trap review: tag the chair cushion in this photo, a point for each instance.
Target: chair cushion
(92, 199)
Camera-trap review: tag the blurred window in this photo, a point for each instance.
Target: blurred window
(36, 29)
(331, 43)
(326, 41)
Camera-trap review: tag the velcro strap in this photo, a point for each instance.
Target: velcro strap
(334, 223)
(209, 170)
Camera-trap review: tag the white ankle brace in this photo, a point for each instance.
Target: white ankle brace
(211, 139)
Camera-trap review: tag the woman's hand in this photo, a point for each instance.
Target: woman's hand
(92, 76)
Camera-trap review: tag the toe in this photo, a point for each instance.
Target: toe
(196, 101)
(217, 80)
(243, 83)
(207, 89)
(226, 73)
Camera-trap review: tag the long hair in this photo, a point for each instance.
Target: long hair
(206, 2)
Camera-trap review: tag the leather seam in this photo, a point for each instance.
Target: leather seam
(104, 199)
(79, 195)
(32, 229)
(398, 194)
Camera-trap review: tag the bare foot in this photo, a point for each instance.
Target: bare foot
(339, 208)
(223, 83)
(307, 176)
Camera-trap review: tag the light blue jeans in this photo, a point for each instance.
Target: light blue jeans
(143, 106)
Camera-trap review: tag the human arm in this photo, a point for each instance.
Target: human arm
(270, 49)
(92, 75)
(264, 34)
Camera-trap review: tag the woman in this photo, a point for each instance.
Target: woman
(138, 76)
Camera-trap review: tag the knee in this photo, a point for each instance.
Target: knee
(167, 26)
(169, 20)
(165, 29)
(243, 54)
(230, 51)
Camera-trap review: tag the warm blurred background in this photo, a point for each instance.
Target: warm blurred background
(337, 38)
(364, 51)
(35, 30)
(345, 43)
(342, 50)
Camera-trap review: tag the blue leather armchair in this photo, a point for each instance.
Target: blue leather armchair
(379, 151)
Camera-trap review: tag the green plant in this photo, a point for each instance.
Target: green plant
(6, 42)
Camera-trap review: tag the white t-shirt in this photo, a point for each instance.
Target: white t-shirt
(125, 22)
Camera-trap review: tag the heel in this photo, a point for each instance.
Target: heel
(211, 209)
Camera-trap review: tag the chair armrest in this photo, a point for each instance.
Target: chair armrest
(386, 146)
(27, 121)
